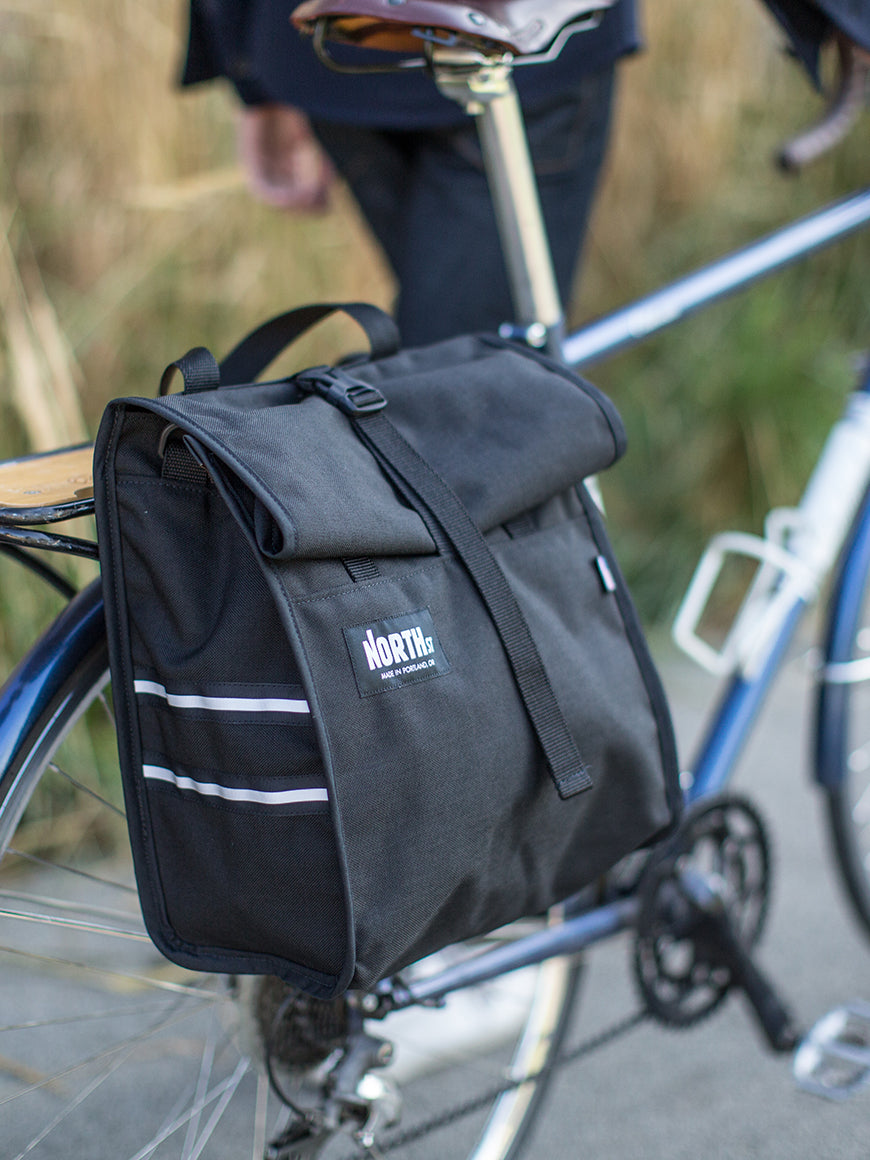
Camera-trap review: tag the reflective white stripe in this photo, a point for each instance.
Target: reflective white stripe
(276, 797)
(223, 704)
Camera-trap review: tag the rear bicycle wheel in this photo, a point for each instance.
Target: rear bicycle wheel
(107, 1050)
(842, 749)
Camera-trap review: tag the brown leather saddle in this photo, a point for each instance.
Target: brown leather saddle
(523, 27)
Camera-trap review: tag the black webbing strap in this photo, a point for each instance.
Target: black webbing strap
(254, 353)
(566, 766)
(201, 371)
(198, 368)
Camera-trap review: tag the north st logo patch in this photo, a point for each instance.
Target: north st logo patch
(399, 651)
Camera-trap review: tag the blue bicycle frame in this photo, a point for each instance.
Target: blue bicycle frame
(32, 694)
(35, 691)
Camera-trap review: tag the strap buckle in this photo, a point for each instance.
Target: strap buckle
(352, 396)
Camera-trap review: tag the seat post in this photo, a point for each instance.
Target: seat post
(484, 87)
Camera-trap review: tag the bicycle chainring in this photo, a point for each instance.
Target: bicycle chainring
(724, 840)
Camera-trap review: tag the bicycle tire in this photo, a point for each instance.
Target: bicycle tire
(842, 741)
(102, 1028)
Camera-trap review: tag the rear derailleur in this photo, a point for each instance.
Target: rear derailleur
(703, 902)
(323, 1065)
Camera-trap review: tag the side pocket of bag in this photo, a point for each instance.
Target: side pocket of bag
(239, 812)
(228, 810)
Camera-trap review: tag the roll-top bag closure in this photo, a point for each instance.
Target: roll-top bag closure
(505, 428)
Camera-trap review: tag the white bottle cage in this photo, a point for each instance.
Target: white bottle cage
(779, 579)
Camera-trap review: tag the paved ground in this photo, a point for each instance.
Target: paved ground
(716, 1091)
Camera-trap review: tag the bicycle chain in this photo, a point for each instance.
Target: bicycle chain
(402, 1138)
(444, 1119)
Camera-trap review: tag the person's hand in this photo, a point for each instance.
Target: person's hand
(283, 162)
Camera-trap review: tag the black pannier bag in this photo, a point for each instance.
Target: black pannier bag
(378, 682)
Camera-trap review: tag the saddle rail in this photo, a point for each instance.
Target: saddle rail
(521, 27)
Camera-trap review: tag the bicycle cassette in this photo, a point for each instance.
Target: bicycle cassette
(703, 902)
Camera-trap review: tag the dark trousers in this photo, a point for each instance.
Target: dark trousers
(424, 194)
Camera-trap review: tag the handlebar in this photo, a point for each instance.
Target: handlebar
(846, 104)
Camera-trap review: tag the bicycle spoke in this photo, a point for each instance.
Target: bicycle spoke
(74, 870)
(215, 1118)
(201, 1098)
(173, 1115)
(109, 1052)
(202, 1082)
(74, 924)
(82, 788)
(260, 1114)
(114, 974)
(83, 1095)
(90, 1017)
(64, 905)
(222, 1092)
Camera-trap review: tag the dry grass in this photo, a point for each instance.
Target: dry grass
(124, 209)
(701, 113)
(126, 234)
(129, 234)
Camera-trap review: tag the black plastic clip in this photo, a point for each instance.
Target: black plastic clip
(352, 396)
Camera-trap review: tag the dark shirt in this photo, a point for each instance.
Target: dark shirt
(252, 43)
(809, 24)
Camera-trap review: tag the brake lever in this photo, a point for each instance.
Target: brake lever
(843, 110)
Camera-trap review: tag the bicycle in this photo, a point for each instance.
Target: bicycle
(326, 1061)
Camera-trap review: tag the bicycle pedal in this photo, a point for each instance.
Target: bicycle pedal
(834, 1059)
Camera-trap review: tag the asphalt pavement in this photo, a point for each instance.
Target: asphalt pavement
(716, 1091)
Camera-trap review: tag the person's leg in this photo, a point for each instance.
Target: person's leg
(378, 167)
(453, 276)
(425, 196)
(568, 176)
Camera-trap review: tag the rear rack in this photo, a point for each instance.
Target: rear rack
(46, 488)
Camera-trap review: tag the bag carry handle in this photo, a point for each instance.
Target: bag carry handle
(201, 371)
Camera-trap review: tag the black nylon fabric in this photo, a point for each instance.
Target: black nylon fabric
(560, 750)
(471, 418)
(326, 777)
